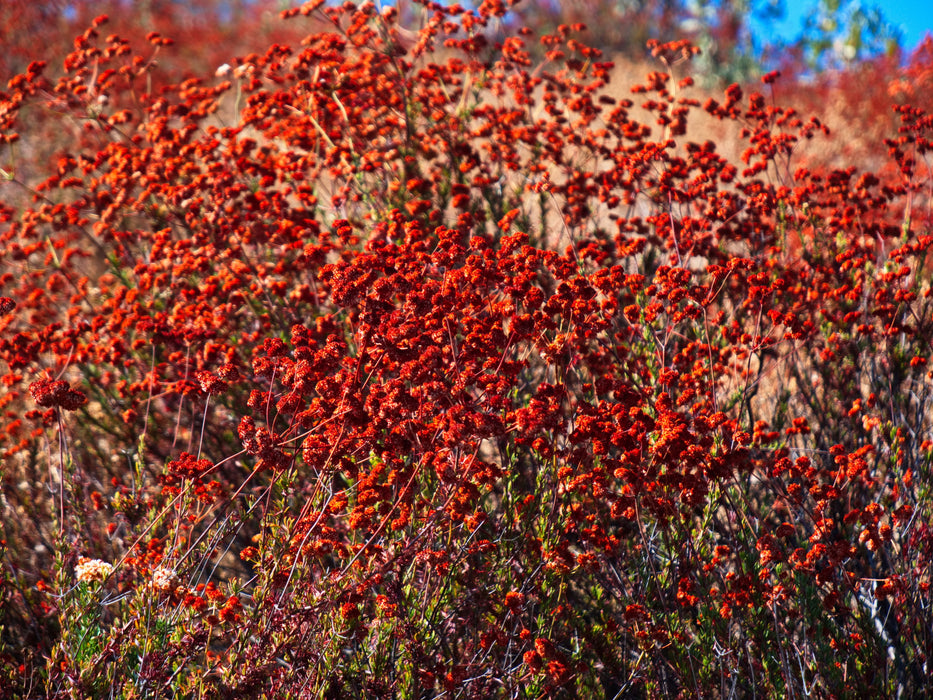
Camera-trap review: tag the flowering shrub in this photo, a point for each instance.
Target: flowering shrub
(376, 367)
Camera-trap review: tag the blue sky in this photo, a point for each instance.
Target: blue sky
(913, 17)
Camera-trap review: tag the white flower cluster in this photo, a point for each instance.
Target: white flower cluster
(92, 569)
(240, 72)
(163, 579)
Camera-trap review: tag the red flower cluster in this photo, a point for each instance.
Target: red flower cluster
(504, 382)
(52, 393)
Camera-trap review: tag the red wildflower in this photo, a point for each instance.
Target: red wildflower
(51, 393)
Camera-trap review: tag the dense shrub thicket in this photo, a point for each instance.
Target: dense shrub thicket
(393, 365)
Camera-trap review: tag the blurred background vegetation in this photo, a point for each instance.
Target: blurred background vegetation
(733, 34)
